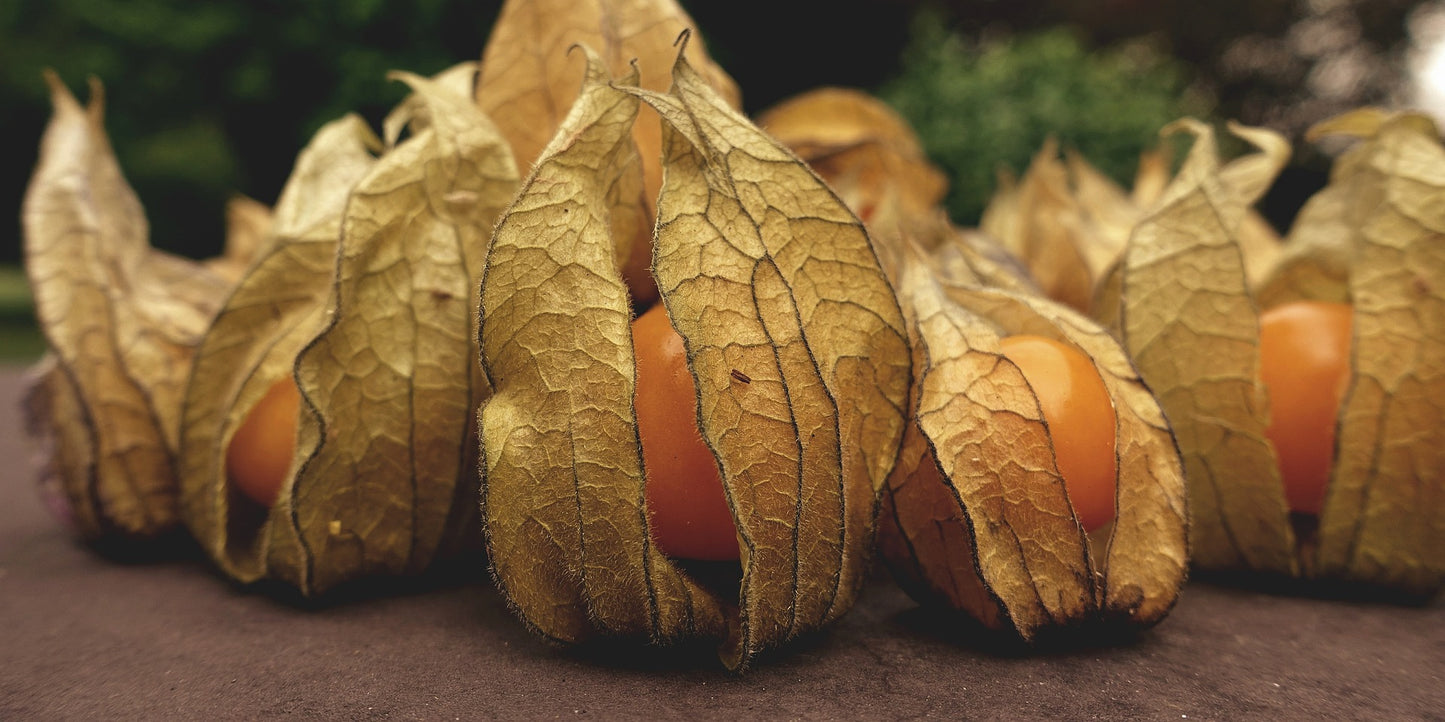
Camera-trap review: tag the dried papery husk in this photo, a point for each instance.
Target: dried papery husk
(387, 470)
(529, 80)
(976, 516)
(1151, 176)
(1002, 220)
(413, 114)
(1180, 303)
(1040, 222)
(1314, 263)
(64, 450)
(1261, 245)
(1065, 221)
(971, 257)
(764, 269)
(1069, 223)
(121, 320)
(865, 151)
(1314, 260)
(1258, 240)
(1383, 520)
(562, 492)
(248, 227)
(1250, 177)
(1106, 214)
(383, 351)
(764, 272)
(960, 255)
(275, 309)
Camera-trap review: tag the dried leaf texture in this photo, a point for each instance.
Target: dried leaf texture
(1187, 319)
(248, 227)
(529, 80)
(780, 286)
(386, 450)
(1382, 520)
(968, 257)
(977, 517)
(414, 113)
(1258, 241)
(976, 509)
(1107, 215)
(121, 320)
(764, 270)
(1147, 555)
(1043, 229)
(955, 255)
(1314, 263)
(563, 503)
(1249, 177)
(1066, 221)
(865, 151)
(275, 309)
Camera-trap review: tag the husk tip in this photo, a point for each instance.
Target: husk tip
(411, 79)
(60, 96)
(1187, 124)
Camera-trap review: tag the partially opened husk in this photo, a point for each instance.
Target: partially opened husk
(767, 276)
(1187, 311)
(364, 298)
(1383, 520)
(121, 320)
(1184, 312)
(976, 516)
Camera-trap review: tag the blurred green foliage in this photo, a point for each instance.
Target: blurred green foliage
(213, 98)
(982, 107)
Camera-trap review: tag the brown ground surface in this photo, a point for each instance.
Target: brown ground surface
(85, 637)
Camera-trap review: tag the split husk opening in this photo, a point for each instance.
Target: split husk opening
(975, 515)
(1185, 293)
(764, 272)
(364, 299)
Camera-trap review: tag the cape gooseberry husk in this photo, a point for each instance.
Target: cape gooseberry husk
(363, 302)
(1383, 517)
(766, 276)
(121, 321)
(976, 515)
(1370, 238)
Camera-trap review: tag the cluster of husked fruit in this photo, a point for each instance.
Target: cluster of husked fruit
(681, 374)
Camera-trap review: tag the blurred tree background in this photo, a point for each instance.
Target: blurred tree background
(209, 99)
